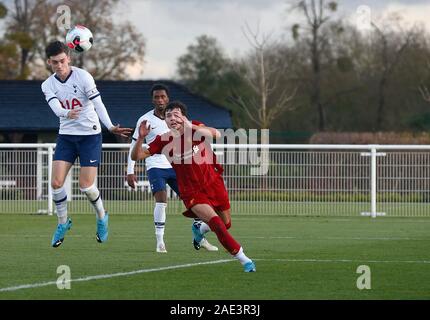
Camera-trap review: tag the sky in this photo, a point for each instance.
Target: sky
(169, 26)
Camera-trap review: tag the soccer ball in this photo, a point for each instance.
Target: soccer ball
(79, 39)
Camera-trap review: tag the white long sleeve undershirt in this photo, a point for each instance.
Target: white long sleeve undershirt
(102, 112)
(130, 162)
(56, 107)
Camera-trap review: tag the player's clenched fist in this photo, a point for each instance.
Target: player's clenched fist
(73, 114)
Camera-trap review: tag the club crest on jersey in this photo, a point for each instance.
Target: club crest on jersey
(195, 149)
(186, 155)
(71, 104)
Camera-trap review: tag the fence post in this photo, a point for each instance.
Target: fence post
(39, 173)
(50, 156)
(373, 183)
(373, 178)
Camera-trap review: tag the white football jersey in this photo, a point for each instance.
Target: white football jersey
(158, 127)
(76, 91)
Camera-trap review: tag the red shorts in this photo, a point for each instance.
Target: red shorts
(215, 195)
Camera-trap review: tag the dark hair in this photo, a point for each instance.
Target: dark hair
(159, 86)
(56, 47)
(177, 105)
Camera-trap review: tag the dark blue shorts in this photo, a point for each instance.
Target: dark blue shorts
(87, 148)
(159, 177)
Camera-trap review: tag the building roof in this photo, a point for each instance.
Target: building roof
(23, 106)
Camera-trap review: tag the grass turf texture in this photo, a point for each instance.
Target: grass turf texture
(296, 257)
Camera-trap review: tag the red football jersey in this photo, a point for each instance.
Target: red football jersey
(191, 157)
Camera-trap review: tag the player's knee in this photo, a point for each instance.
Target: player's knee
(228, 225)
(84, 187)
(91, 192)
(56, 184)
(160, 196)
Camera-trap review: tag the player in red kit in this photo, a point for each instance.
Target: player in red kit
(199, 178)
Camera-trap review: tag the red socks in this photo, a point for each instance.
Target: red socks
(224, 237)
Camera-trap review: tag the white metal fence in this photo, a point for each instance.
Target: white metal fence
(323, 180)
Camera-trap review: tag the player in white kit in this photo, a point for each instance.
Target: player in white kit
(73, 96)
(158, 168)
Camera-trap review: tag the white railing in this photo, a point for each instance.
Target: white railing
(324, 180)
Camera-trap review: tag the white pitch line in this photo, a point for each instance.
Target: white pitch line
(122, 274)
(342, 238)
(347, 260)
(253, 237)
(113, 275)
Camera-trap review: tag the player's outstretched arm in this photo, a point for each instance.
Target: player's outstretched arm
(123, 132)
(202, 129)
(138, 152)
(207, 131)
(105, 119)
(131, 177)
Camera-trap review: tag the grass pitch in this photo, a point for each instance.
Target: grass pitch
(296, 258)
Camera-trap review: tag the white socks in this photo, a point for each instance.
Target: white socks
(160, 220)
(93, 194)
(60, 199)
(204, 228)
(242, 257)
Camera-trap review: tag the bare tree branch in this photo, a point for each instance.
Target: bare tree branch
(238, 100)
(262, 75)
(282, 104)
(424, 92)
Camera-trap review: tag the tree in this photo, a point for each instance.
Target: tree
(317, 16)
(343, 84)
(20, 31)
(206, 70)
(9, 58)
(392, 47)
(263, 69)
(3, 11)
(116, 45)
(250, 87)
(203, 65)
(423, 122)
(8, 53)
(33, 24)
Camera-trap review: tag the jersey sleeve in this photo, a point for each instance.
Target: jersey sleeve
(217, 166)
(156, 146)
(198, 137)
(197, 123)
(130, 162)
(53, 101)
(89, 85)
(102, 112)
(48, 92)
